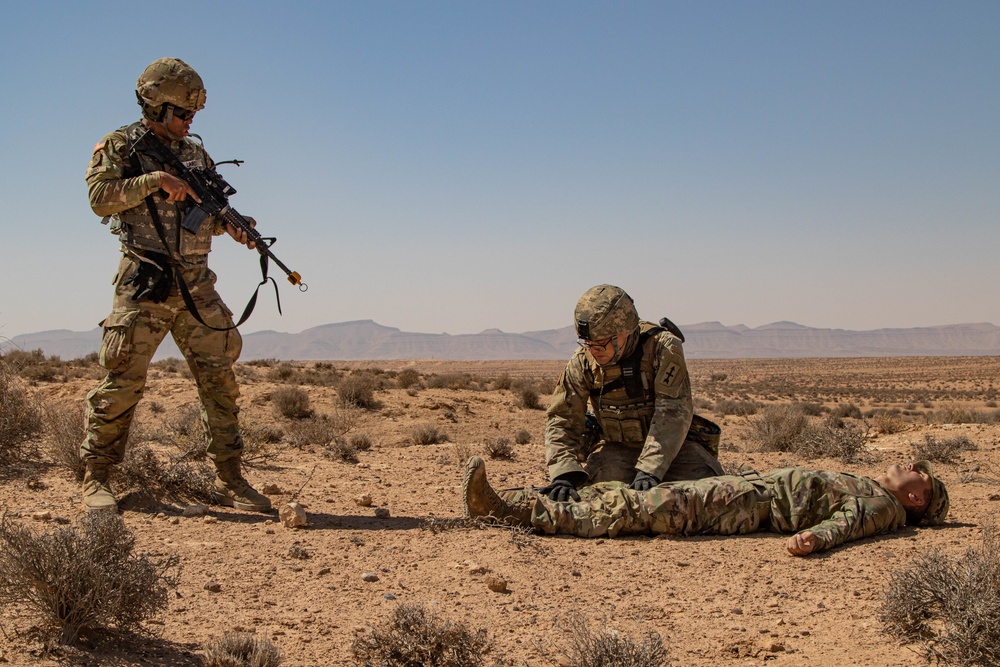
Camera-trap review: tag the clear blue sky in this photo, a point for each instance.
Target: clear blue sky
(457, 166)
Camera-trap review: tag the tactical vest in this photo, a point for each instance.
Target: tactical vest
(624, 405)
(137, 228)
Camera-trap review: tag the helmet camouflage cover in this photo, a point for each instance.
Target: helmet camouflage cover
(605, 311)
(169, 81)
(938, 503)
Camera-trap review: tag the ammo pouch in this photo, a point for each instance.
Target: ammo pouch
(706, 433)
(153, 277)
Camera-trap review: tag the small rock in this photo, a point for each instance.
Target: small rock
(576, 573)
(210, 519)
(195, 510)
(476, 568)
(175, 520)
(271, 490)
(389, 596)
(322, 571)
(381, 513)
(364, 465)
(42, 516)
(213, 587)
(370, 577)
(292, 515)
(776, 647)
(496, 584)
(364, 500)
(737, 611)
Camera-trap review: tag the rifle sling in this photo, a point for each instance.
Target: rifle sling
(182, 286)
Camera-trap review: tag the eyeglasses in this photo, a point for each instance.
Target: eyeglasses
(596, 344)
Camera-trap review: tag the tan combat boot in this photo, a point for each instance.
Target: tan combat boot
(480, 501)
(232, 490)
(96, 494)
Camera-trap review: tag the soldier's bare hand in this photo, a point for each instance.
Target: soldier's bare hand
(177, 189)
(801, 544)
(241, 236)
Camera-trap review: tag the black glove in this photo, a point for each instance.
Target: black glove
(561, 489)
(644, 481)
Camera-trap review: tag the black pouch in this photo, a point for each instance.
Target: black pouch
(706, 433)
(153, 278)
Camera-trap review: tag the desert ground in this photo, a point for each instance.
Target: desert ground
(380, 501)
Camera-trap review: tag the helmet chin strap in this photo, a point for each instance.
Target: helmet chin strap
(167, 117)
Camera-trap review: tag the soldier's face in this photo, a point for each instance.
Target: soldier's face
(603, 354)
(906, 479)
(179, 127)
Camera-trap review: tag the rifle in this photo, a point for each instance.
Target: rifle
(214, 192)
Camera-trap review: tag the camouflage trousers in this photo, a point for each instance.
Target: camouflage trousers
(615, 462)
(132, 332)
(729, 505)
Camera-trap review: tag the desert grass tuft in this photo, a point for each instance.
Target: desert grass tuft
(241, 649)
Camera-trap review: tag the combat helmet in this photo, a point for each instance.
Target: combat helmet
(168, 83)
(605, 311)
(938, 503)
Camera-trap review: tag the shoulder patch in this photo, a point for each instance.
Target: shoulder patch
(100, 146)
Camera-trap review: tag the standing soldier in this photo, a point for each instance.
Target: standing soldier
(634, 376)
(145, 202)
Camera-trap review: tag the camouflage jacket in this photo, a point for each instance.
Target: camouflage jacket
(656, 422)
(836, 507)
(118, 191)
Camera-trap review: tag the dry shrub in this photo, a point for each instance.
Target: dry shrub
(65, 428)
(358, 391)
(341, 449)
(607, 647)
(887, 422)
(144, 472)
(414, 637)
(731, 406)
(945, 450)
(503, 381)
(527, 396)
(450, 381)
(522, 437)
(361, 442)
(75, 579)
(407, 378)
(499, 448)
(834, 438)
(812, 409)
(949, 604)
(291, 402)
(20, 415)
(427, 434)
(241, 649)
(778, 428)
(322, 429)
(955, 414)
(259, 441)
(844, 410)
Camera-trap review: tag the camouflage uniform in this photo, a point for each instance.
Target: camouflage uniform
(648, 432)
(836, 507)
(135, 328)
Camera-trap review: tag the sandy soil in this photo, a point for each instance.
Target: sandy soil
(727, 600)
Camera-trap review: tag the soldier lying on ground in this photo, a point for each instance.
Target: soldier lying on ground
(822, 508)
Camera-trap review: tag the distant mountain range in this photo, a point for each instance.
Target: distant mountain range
(365, 339)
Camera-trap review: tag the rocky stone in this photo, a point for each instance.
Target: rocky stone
(292, 515)
(381, 513)
(213, 587)
(370, 577)
(364, 500)
(195, 510)
(496, 584)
